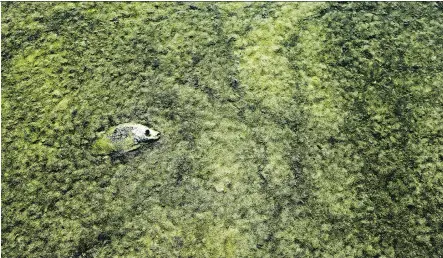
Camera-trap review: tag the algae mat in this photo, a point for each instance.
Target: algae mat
(288, 129)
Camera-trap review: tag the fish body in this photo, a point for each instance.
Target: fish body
(124, 138)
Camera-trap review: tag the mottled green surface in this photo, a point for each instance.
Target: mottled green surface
(288, 129)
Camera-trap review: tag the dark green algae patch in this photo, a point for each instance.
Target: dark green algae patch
(288, 129)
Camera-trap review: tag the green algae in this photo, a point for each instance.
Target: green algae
(104, 146)
(289, 129)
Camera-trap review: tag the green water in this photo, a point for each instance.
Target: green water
(288, 129)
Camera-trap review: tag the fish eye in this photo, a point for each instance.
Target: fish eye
(147, 132)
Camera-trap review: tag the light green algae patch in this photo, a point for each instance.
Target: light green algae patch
(103, 145)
